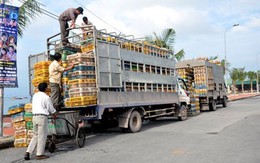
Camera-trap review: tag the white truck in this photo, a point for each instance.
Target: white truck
(135, 81)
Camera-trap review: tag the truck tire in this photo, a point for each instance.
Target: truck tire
(183, 113)
(135, 122)
(212, 105)
(224, 103)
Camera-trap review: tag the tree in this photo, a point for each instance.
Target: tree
(251, 75)
(180, 55)
(224, 66)
(213, 57)
(242, 76)
(234, 76)
(29, 10)
(166, 40)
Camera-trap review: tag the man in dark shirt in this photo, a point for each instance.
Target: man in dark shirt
(70, 14)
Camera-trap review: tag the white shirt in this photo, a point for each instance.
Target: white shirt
(41, 104)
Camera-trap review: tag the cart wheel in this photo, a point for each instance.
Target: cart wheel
(80, 137)
(51, 147)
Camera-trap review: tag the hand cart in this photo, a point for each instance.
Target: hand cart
(65, 127)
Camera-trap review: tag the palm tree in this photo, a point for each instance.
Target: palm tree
(213, 57)
(242, 76)
(234, 76)
(29, 10)
(251, 75)
(179, 55)
(224, 66)
(166, 40)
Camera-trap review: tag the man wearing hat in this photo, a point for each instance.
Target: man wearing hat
(70, 14)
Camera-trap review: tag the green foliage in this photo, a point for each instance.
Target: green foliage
(234, 74)
(224, 66)
(180, 55)
(213, 57)
(251, 75)
(27, 12)
(242, 74)
(165, 40)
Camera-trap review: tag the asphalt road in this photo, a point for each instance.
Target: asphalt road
(229, 135)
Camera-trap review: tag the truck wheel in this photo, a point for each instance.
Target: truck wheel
(135, 122)
(224, 103)
(183, 113)
(212, 105)
(80, 137)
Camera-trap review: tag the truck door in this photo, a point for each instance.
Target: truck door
(183, 91)
(109, 65)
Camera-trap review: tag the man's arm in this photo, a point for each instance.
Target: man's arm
(50, 107)
(73, 19)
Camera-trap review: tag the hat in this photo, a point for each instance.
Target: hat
(80, 9)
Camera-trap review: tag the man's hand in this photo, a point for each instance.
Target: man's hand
(72, 25)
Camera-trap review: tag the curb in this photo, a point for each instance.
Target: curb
(6, 142)
(242, 98)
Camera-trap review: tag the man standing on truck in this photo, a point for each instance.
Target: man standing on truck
(70, 14)
(84, 29)
(55, 72)
(41, 108)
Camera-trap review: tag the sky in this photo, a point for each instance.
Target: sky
(200, 26)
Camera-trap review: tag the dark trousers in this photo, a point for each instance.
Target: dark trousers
(64, 33)
(55, 95)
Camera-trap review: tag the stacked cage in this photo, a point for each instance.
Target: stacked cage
(188, 75)
(79, 84)
(203, 82)
(22, 124)
(41, 74)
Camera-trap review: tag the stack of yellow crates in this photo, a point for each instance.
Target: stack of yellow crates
(79, 84)
(41, 74)
(22, 124)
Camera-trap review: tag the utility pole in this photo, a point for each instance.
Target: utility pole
(257, 77)
(225, 50)
(1, 101)
(1, 110)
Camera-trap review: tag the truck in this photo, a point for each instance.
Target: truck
(207, 80)
(131, 80)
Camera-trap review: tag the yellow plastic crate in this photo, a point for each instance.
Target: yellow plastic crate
(19, 125)
(21, 142)
(41, 72)
(16, 110)
(83, 89)
(18, 134)
(79, 94)
(36, 81)
(71, 86)
(79, 103)
(87, 48)
(28, 107)
(80, 81)
(82, 98)
(42, 65)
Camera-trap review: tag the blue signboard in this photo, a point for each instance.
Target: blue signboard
(8, 45)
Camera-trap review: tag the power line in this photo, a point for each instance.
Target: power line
(46, 12)
(97, 16)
